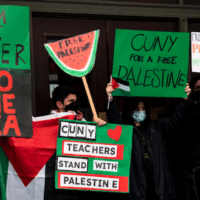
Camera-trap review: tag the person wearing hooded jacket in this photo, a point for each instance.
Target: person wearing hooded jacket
(192, 141)
(150, 176)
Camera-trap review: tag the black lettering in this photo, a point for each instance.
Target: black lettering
(80, 129)
(75, 147)
(91, 131)
(139, 78)
(149, 59)
(163, 75)
(100, 183)
(81, 39)
(60, 53)
(181, 79)
(70, 129)
(132, 42)
(71, 181)
(77, 165)
(83, 165)
(76, 181)
(60, 163)
(95, 149)
(107, 150)
(18, 52)
(145, 77)
(67, 42)
(173, 42)
(157, 40)
(69, 146)
(65, 163)
(157, 78)
(105, 183)
(70, 165)
(66, 179)
(112, 151)
(131, 72)
(120, 67)
(82, 181)
(114, 185)
(5, 52)
(86, 148)
(81, 148)
(101, 150)
(63, 129)
(89, 182)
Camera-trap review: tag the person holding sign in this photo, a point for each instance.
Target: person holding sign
(150, 176)
(192, 142)
(65, 100)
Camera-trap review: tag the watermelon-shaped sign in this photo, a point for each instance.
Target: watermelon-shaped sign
(75, 55)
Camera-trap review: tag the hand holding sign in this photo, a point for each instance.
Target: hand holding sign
(76, 56)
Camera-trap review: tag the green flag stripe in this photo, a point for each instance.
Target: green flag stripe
(3, 174)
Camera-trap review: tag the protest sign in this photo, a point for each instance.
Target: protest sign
(93, 158)
(195, 51)
(15, 75)
(76, 57)
(154, 64)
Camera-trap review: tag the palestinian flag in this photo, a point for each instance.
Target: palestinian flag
(27, 165)
(121, 87)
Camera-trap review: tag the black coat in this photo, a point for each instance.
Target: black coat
(152, 132)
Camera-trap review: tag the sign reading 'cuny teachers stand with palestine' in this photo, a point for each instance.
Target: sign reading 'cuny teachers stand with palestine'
(154, 64)
(93, 158)
(15, 75)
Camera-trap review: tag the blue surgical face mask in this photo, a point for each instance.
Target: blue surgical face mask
(139, 116)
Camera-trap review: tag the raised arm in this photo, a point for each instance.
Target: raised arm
(112, 110)
(171, 123)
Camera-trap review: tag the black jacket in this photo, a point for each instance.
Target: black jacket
(152, 132)
(192, 126)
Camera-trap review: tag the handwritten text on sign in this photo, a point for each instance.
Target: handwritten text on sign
(195, 51)
(15, 80)
(83, 147)
(154, 63)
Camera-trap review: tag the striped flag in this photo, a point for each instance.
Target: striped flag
(28, 164)
(121, 87)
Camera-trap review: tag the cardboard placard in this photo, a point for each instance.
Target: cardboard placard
(15, 74)
(195, 51)
(154, 64)
(93, 158)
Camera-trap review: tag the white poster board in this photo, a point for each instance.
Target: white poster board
(195, 51)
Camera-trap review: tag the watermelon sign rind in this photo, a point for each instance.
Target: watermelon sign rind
(90, 59)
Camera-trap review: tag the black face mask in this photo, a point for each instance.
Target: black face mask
(72, 106)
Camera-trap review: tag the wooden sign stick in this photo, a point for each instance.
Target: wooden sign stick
(89, 97)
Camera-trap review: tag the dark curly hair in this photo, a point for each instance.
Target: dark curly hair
(60, 93)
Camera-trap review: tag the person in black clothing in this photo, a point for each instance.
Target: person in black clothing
(150, 176)
(193, 138)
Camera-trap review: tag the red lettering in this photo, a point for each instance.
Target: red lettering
(10, 81)
(7, 104)
(11, 122)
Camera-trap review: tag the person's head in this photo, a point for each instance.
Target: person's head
(195, 87)
(65, 99)
(134, 107)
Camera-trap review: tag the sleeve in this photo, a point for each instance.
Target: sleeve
(113, 113)
(173, 122)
